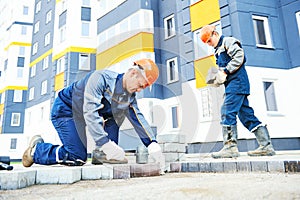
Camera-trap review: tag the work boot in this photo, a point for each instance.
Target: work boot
(264, 141)
(99, 157)
(27, 159)
(230, 149)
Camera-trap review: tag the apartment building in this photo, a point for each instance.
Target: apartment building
(16, 19)
(72, 38)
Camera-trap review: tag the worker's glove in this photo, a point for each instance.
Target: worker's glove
(113, 151)
(215, 77)
(220, 77)
(155, 153)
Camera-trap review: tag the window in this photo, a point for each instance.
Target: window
(175, 121)
(20, 61)
(20, 71)
(45, 62)
(47, 39)
(38, 7)
(60, 65)
(84, 61)
(201, 49)
(85, 28)
(298, 21)
(35, 48)
(15, 119)
(20, 67)
(85, 14)
(25, 10)
(18, 95)
(31, 94)
(36, 27)
(262, 31)
(33, 71)
(13, 143)
(206, 103)
(172, 70)
(48, 16)
(44, 87)
(169, 26)
(22, 51)
(270, 96)
(23, 30)
(62, 34)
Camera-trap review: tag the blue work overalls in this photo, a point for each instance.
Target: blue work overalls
(237, 88)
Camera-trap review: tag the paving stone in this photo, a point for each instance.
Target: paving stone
(91, 172)
(175, 167)
(244, 166)
(216, 167)
(58, 175)
(143, 170)
(174, 157)
(171, 138)
(259, 166)
(292, 166)
(173, 147)
(275, 166)
(121, 171)
(16, 179)
(204, 167)
(230, 167)
(193, 167)
(184, 167)
(107, 171)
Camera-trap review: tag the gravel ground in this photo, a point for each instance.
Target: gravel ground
(171, 186)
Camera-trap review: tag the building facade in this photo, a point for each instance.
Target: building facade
(69, 39)
(16, 19)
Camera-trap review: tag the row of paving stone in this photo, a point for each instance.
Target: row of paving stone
(57, 174)
(240, 166)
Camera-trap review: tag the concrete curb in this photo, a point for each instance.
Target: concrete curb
(22, 177)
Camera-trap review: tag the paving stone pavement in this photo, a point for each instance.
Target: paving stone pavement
(20, 177)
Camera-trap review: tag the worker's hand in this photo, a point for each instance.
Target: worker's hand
(155, 153)
(113, 151)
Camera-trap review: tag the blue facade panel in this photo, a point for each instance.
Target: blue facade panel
(10, 108)
(289, 9)
(46, 6)
(236, 21)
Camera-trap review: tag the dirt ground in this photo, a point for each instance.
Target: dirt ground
(171, 186)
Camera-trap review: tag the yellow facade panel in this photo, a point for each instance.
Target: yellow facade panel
(201, 69)
(59, 81)
(204, 12)
(142, 42)
(1, 108)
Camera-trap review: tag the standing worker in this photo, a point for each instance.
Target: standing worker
(231, 60)
(99, 102)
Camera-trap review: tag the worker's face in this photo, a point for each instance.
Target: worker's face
(213, 40)
(135, 82)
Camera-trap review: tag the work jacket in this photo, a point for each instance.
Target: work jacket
(230, 57)
(99, 96)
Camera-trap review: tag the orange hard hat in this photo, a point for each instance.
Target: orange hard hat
(206, 32)
(149, 69)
